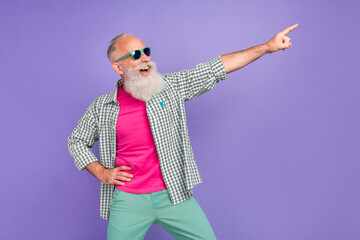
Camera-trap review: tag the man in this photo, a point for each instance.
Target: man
(147, 168)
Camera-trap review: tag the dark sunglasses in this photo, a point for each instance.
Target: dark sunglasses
(136, 54)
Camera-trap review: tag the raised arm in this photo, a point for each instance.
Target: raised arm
(236, 60)
(193, 82)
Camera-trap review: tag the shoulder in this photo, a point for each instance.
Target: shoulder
(98, 103)
(105, 98)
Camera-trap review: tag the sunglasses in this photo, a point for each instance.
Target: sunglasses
(136, 54)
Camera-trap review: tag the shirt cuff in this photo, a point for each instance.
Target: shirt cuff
(218, 68)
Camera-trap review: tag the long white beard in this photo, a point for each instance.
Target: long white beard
(143, 87)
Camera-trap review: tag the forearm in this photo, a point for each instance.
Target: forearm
(96, 169)
(236, 60)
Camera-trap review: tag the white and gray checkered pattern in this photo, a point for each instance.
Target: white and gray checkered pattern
(168, 126)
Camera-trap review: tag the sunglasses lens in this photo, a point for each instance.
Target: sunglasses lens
(137, 55)
(147, 51)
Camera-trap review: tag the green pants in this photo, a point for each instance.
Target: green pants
(131, 215)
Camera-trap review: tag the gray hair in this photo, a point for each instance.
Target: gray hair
(112, 48)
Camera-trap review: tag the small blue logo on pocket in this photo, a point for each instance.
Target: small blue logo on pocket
(162, 104)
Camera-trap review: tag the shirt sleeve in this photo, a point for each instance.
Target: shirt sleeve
(198, 80)
(83, 137)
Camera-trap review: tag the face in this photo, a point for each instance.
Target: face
(124, 46)
(140, 77)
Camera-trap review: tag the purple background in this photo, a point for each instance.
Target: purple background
(277, 143)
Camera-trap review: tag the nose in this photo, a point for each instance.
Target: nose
(145, 58)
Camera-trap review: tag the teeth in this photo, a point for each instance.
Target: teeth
(145, 68)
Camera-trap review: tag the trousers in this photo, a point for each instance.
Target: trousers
(131, 215)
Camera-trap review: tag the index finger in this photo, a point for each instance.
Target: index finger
(287, 30)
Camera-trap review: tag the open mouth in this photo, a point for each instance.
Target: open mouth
(145, 70)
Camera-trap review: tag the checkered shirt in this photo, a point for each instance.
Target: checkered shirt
(166, 113)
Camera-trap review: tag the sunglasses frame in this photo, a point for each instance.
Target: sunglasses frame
(132, 53)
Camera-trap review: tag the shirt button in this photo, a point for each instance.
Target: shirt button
(113, 127)
(113, 141)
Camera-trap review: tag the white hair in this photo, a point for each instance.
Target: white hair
(143, 87)
(111, 51)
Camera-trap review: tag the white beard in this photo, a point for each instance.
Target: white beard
(143, 87)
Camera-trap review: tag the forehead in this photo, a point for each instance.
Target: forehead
(128, 44)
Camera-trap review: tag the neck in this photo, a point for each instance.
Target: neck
(123, 81)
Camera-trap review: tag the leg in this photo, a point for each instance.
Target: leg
(185, 220)
(131, 215)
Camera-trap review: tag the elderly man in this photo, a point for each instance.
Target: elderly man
(147, 168)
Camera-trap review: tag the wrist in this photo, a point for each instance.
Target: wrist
(266, 47)
(102, 174)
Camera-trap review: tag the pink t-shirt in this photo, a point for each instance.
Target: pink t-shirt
(135, 147)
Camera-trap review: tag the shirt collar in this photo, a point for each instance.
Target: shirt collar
(111, 97)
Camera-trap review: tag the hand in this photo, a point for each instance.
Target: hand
(280, 41)
(114, 175)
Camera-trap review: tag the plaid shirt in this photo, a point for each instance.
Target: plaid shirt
(166, 113)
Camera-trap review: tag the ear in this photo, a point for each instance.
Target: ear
(117, 68)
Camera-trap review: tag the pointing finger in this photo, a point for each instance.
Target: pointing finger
(287, 30)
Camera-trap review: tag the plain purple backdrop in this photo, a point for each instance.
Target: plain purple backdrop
(277, 143)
